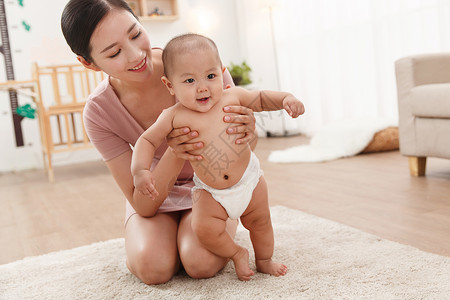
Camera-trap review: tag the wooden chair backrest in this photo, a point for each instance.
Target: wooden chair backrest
(63, 90)
(70, 83)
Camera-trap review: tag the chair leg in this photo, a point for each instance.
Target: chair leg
(51, 176)
(417, 165)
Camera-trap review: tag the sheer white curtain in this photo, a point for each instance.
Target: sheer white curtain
(338, 55)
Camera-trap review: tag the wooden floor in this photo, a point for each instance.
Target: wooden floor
(371, 192)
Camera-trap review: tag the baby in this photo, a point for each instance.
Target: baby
(228, 179)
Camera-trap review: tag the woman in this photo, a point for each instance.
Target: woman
(106, 36)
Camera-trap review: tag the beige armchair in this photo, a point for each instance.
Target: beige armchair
(423, 90)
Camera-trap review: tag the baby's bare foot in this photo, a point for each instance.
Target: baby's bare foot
(240, 260)
(270, 267)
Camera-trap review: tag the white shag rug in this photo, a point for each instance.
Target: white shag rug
(334, 140)
(326, 260)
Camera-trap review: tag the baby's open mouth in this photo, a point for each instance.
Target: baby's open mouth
(203, 100)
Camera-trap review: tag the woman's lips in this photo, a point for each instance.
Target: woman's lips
(141, 66)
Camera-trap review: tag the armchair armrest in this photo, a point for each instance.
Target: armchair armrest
(421, 69)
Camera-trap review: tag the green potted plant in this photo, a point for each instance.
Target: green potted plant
(240, 73)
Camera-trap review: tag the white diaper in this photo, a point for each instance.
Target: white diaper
(236, 198)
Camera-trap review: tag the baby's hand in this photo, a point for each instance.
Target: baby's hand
(293, 106)
(145, 184)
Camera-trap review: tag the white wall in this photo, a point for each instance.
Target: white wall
(45, 44)
(338, 56)
(256, 39)
(215, 19)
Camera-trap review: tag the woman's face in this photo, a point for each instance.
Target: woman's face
(121, 48)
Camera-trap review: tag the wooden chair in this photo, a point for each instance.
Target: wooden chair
(62, 91)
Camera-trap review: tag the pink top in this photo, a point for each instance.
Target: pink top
(112, 130)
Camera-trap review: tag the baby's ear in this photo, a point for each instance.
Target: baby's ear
(168, 84)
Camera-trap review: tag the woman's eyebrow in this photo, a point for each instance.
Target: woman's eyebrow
(113, 44)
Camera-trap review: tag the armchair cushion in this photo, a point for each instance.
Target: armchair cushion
(431, 100)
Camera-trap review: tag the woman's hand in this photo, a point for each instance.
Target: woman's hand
(244, 123)
(178, 139)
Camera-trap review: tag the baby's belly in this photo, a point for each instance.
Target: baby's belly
(223, 163)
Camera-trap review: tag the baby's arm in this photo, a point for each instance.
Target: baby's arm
(144, 152)
(270, 100)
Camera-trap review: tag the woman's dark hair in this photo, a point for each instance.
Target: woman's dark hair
(80, 18)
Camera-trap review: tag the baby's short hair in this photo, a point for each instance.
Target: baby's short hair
(183, 43)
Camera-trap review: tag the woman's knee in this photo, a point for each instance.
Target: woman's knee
(152, 269)
(200, 272)
(206, 266)
(198, 262)
(151, 247)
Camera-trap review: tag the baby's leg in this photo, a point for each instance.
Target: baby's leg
(209, 224)
(256, 219)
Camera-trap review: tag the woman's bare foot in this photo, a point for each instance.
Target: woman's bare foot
(270, 267)
(240, 260)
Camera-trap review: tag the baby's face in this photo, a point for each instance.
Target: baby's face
(197, 79)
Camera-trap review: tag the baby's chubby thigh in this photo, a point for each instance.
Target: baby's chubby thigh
(257, 214)
(208, 216)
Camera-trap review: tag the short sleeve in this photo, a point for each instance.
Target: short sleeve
(100, 133)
